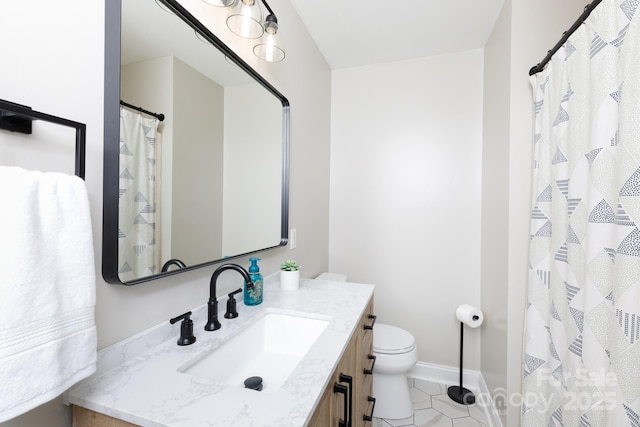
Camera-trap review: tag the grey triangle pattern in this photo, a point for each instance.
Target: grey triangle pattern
(567, 94)
(615, 95)
(126, 268)
(632, 186)
(559, 376)
(140, 220)
(553, 351)
(125, 174)
(622, 218)
(554, 312)
(561, 117)
(563, 184)
(578, 317)
(631, 244)
(531, 364)
(617, 42)
(148, 209)
(572, 204)
(536, 213)
(572, 237)
(124, 150)
(546, 195)
(569, 49)
(572, 291)
(545, 230)
(562, 254)
(634, 419)
(544, 276)
(610, 297)
(612, 254)
(630, 325)
(597, 44)
(121, 233)
(615, 140)
(139, 249)
(559, 157)
(629, 8)
(602, 214)
(121, 192)
(556, 417)
(584, 420)
(537, 106)
(576, 346)
(140, 198)
(591, 155)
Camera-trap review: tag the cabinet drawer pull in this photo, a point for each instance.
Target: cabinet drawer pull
(339, 388)
(372, 317)
(349, 380)
(366, 417)
(373, 363)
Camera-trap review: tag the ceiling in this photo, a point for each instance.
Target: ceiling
(351, 33)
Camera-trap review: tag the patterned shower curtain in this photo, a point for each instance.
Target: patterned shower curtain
(582, 352)
(138, 251)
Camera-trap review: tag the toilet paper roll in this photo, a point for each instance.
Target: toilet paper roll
(469, 315)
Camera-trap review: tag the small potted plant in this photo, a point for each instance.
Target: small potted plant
(289, 275)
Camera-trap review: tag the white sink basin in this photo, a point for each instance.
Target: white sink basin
(271, 348)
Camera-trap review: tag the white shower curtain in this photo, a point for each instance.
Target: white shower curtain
(138, 248)
(582, 353)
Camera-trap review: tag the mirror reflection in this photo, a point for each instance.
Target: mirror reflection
(209, 181)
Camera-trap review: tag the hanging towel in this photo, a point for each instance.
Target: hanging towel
(47, 288)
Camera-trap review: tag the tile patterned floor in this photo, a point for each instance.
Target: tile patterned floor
(433, 408)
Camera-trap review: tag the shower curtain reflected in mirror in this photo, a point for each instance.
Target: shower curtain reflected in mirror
(582, 351)
(138, 243)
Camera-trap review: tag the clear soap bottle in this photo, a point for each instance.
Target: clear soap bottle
(253, 296)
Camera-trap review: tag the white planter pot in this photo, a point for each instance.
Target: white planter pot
(289, 280)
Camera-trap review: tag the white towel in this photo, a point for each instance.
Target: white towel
(47, 288)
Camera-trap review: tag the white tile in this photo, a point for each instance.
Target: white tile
(419, 398)
(430, 387)
(479, 413)
(431, 418)
(467, 422)
(444, 404)
(401, 422)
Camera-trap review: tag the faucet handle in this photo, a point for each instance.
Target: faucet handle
(232, 313)
(186, 328)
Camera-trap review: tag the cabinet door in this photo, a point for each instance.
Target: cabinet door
(364, 369)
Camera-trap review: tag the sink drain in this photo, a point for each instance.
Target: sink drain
(253, 383)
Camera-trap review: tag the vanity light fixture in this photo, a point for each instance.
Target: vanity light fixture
(245, 19)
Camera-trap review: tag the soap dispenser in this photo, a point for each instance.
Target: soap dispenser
(253, 296)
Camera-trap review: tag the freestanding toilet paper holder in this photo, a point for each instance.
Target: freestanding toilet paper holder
(459, 393)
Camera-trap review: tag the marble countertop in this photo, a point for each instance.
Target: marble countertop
(137, 380)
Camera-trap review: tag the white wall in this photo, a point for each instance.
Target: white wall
(54, 63)
(406, 143)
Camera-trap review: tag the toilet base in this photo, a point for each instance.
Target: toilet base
(393, 400)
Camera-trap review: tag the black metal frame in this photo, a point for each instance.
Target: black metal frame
(17, 118)
(565, 36)
(112, 136)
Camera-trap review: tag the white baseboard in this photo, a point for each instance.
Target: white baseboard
(449, 375)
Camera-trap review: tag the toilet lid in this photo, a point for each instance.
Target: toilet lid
(391, 339)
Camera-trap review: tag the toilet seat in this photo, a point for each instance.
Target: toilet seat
(389, 339)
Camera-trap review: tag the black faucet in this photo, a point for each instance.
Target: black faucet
(171, 262)
(212, 306)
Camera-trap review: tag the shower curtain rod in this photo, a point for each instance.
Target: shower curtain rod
(565, 36)
(158, 116)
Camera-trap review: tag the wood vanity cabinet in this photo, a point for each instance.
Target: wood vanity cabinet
(347, 400)
(83, 417)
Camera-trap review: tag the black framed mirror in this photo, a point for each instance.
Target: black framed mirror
(208, 183)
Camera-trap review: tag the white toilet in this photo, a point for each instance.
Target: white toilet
(396, 353)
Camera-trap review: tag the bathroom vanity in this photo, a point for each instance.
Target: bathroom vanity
(149, 380)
